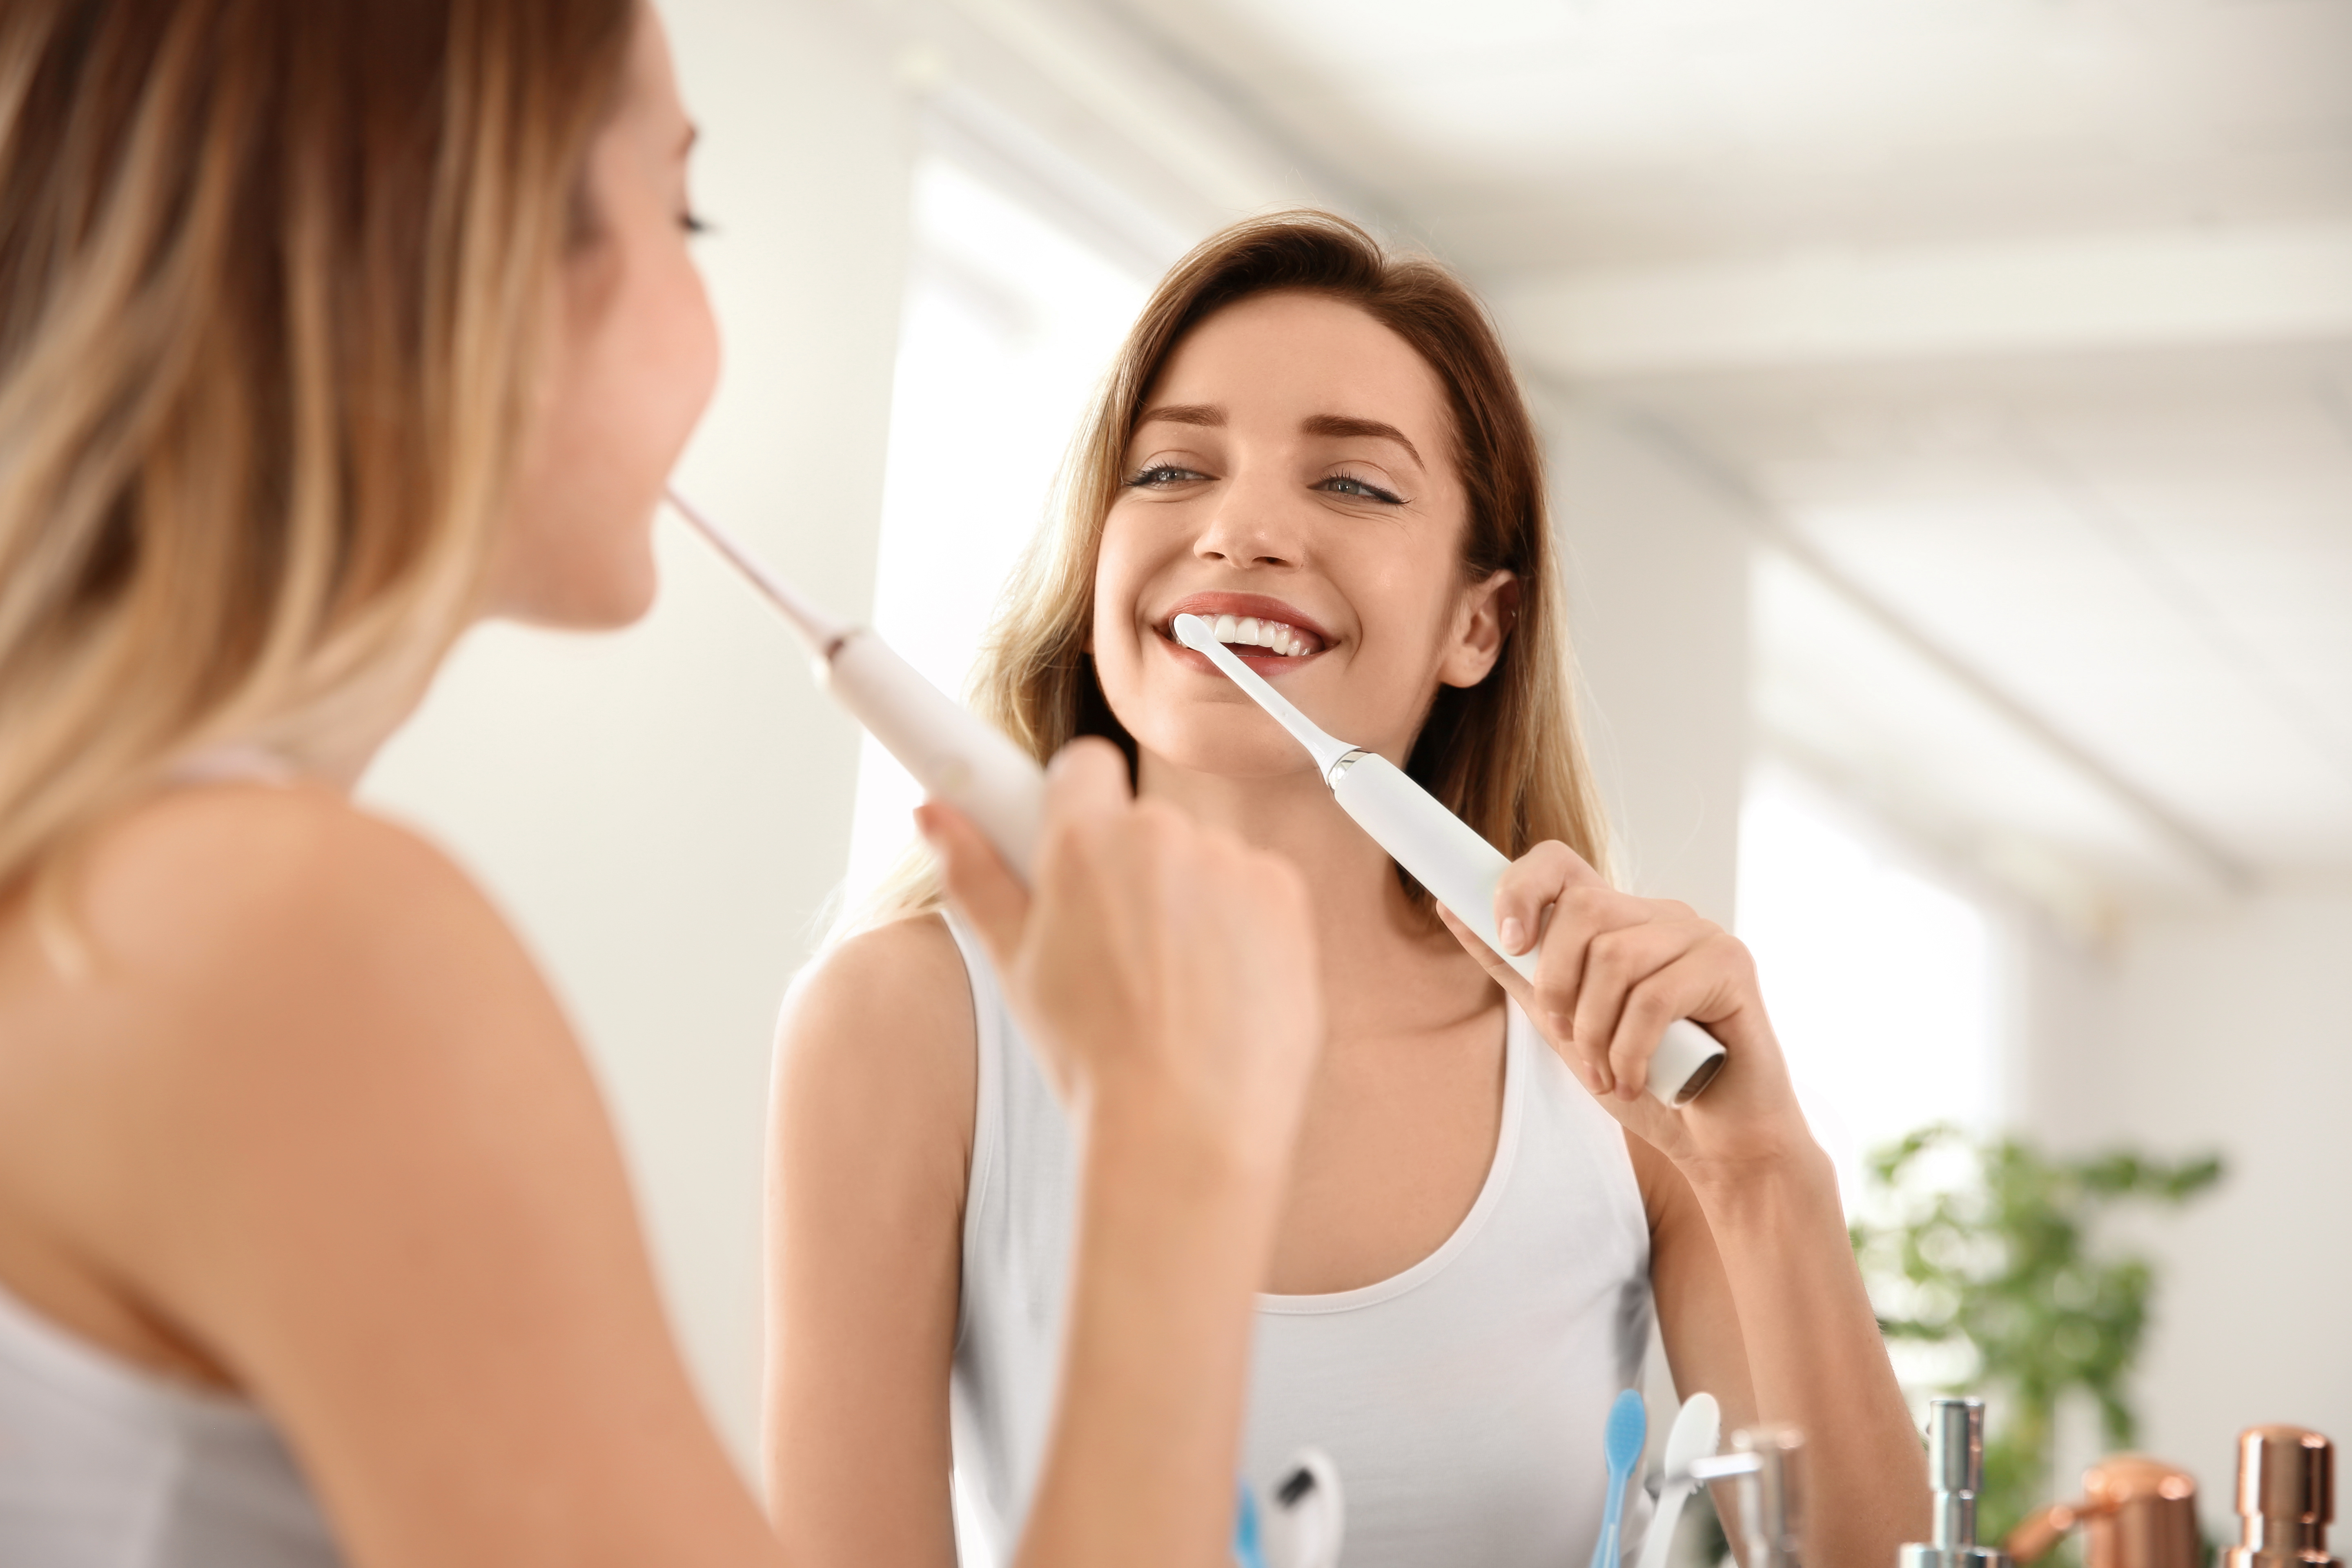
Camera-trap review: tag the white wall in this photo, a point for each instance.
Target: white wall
(1657, 572)
(2226, 1029)
(663, 811)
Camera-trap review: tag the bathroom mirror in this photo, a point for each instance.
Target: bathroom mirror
(1950, 411)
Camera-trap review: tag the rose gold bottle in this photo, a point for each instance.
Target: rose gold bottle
(2136, 1512)
(2286, 1500)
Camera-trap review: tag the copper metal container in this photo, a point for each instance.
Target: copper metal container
(2134, 1512)
(2286, 1500)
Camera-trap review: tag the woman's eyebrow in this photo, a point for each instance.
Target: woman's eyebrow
(1203, 413)
(1347, 425)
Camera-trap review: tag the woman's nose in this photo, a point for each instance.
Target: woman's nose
(1252, 525)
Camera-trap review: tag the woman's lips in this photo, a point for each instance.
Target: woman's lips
(1267, 635)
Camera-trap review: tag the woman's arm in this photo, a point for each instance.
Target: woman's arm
(1775, 1324)
(316, 1112)
(1698, 1318)
(868, 1152)
(1759, 1246)
(318, 1115)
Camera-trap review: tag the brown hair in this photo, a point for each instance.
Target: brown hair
(274, 278)
(1506, 754)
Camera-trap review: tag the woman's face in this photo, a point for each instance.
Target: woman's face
(634, 357)
(1293, 470)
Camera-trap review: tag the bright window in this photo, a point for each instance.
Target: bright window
(1882, 981)
(1010, 323)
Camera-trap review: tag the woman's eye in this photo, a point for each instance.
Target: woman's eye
(1348, 485)
(1159, 475)
(693, 223)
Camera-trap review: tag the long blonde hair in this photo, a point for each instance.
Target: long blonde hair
(274, 278)
(1506, 754)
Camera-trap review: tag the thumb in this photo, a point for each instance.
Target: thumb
(1532, 884)
(982, 888)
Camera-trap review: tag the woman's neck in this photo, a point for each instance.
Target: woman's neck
(1384, 962)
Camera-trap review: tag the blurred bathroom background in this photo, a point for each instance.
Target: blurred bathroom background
(1950, 409)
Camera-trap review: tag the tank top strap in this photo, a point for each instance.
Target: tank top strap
(989, 1020)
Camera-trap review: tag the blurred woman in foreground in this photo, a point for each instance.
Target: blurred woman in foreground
(326, 330)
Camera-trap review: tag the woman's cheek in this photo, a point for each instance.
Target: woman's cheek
(1117, 668)
(1112, 639)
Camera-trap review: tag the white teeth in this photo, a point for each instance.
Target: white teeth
(1251, 632)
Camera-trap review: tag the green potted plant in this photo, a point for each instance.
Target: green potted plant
(1986, 1245)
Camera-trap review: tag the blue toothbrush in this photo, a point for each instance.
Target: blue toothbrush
(1247, 1552)
(1621, 1444)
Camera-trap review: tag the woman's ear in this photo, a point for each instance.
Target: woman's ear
(1481, 621)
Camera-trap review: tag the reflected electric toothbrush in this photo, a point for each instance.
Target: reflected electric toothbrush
(954, 755)
(1443, 852)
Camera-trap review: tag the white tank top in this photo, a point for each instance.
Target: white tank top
(106, 1465)
(1462, 1399)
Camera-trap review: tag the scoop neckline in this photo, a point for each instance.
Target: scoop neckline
(1490, 1196)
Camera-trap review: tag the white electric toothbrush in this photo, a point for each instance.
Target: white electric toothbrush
(1443, 853)
(954, 755)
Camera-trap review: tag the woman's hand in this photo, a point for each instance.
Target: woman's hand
(1613, 971)
(1166, 974)
(1165, 971)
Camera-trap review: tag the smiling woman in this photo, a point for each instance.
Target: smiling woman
(1322, 450)
(1500, 749)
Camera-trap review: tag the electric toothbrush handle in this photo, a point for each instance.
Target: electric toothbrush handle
(956, 755)
(1462, 870)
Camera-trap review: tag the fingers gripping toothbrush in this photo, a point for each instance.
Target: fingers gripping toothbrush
(954, 755)
(1441, 851)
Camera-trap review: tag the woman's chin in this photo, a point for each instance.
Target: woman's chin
(598, 602)
(1220, 757)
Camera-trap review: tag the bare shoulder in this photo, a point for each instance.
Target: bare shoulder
(901, 987)
(262, 907)
(288, 1016)
(327, 1134)
(880, 1028)
(266, 973)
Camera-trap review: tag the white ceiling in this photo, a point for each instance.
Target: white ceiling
(1533, 134)
(2025, 327)
(2152, 554)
